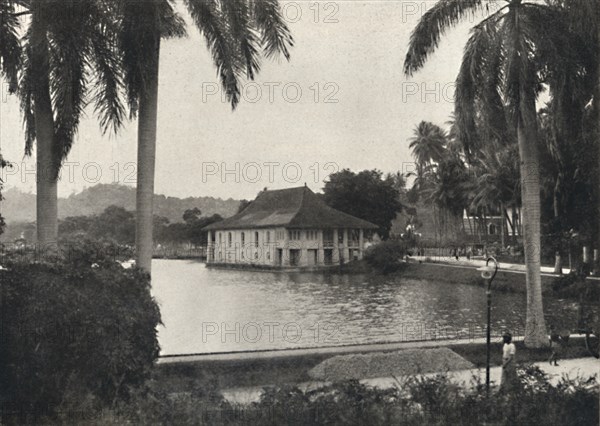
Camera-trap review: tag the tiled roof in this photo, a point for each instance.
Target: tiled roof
(290, 208)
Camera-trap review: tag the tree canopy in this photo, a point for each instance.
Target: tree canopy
(366, 195)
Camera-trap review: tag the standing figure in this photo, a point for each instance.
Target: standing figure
(509, 368)
(554, 345)
(558, 342)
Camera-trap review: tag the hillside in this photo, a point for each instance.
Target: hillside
(18, 206)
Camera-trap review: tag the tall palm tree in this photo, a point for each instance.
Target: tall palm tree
(428, 143)
(236, 33)
(66, 59)
(499, 80)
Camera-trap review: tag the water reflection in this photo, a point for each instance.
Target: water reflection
(212, 310)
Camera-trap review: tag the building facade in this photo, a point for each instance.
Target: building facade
(288, 228)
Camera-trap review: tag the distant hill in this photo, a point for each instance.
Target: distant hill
(19, 206)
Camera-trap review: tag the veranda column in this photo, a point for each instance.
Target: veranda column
(320, 248)
(286, 248)
(361, 243)
(335, 258)
(345, 249)
(210, 248)
(303, 242)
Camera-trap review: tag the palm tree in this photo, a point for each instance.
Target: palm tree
(67, 48)
(428, 143)
(498, 82)
(236, 33)
(497, 180)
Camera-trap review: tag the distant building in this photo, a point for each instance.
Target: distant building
(288, 228)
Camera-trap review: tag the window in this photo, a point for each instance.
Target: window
(229, 239)
(295, 235)
(243, 239)
(311, 235)
(220, 238)
(268, 255)
(268, 237)
(340, 236)
(279, 235)
(256, 239)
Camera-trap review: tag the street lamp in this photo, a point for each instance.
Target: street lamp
(488, 273)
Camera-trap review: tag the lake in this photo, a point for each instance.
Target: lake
(207, 310)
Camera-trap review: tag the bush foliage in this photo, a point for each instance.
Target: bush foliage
(386, 257)
(421, 400)
(78, 331)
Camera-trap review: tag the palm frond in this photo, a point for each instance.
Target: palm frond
(426, 36)
(26, 87)
(10, 47)
(68, 72)
(211, 23)
(236, 13)
(276, 36)
(171, 24)
(479, 108)
(107, 98)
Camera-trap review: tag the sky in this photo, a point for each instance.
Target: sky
(342, 101)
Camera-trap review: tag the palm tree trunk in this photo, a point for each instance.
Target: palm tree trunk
(514, 224)
(470, 225)
(46, 182)
(535, 326)
(558, 252)
(147, 121)
(502, 226)
(485, 226)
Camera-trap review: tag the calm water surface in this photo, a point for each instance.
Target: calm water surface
(213, 310)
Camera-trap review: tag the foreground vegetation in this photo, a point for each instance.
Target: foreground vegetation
(414, 401)
(79, 331)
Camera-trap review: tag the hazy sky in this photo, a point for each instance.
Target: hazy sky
(341, 102)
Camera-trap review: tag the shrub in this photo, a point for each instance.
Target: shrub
(574, 285)
(78, 331)
(436, 400)
(386, 256)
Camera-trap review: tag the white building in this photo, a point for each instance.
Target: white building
(288, 228)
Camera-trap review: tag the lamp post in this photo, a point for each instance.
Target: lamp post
(488, 273)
